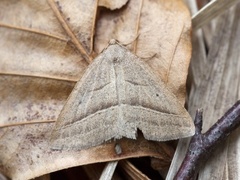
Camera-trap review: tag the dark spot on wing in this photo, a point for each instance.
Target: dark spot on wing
(135, 83)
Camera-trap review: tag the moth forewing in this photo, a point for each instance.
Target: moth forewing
(117, 95)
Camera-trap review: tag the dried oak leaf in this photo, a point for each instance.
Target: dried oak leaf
(45, 48)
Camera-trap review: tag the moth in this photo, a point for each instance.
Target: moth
(117, 95)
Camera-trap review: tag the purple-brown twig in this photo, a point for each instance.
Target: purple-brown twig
(202, 145)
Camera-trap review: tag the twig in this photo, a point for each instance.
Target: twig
(202, 145)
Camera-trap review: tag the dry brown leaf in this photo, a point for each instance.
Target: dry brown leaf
(48, 40)
(43, 48)
(78, 20)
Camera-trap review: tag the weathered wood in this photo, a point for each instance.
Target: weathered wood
(215, 89)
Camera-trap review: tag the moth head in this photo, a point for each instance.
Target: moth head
(113, 41)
